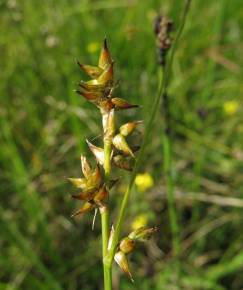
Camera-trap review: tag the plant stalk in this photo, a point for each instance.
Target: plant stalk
(108, 130)
(104, 211)
(167, 152)
(166, 139)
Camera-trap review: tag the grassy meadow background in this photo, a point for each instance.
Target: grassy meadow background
(44, 123)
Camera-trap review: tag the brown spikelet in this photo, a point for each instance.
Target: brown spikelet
(97, 151)
(85, 208)
(92, 71)
(121, 260)
(121, 104)
(105, 57)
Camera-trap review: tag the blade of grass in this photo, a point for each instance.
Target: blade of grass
(206, 94)
(223, 269)
(11, 232)
(30, 199)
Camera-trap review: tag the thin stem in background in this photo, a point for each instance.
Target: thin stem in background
(167, 142)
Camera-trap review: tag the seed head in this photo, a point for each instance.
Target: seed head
(162, 29)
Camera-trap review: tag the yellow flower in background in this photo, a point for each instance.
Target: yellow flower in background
(144, 181)
(93, 47)
(231, 107)
(139, 222)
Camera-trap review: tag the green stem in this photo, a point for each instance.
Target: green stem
(108, 128)
(166, 141)
(105, 236)
(170, 194)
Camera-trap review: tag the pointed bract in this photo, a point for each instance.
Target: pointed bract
(121, 260)
(92, 86)
(94, 179)
(97, 151)
(86, 168)
(121, 144)
(105, 57)
(121, 104)
(78, 182)
(85, 208)
(128, 128)
(142, 234)
(111, 237)
(89, 96)
(108, 122)
(107, 75)
(92, 71)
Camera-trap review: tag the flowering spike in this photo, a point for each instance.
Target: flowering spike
(105, 57)
(121, 104)
(85, 208)
(96, 184)
(92, 71)
(97, 151)
(121, 144)
(86, 169)
(121, 260)
(128, 128)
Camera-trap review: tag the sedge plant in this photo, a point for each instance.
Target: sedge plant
(95, 185)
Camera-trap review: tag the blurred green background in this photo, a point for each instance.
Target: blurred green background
(44, 125)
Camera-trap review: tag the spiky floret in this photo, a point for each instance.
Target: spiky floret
(99, 90)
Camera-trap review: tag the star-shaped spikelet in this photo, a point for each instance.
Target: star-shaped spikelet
(99, 90)
(92, 189)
